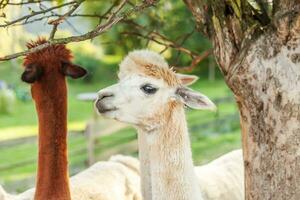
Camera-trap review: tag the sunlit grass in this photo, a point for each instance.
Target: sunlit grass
(9, 133)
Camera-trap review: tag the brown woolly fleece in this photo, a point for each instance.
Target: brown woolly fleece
(50, 96)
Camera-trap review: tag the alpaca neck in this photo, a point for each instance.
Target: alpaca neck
(170, 157)
(52, 175)
(144, 166)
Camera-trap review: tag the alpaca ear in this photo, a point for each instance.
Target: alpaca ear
(195, 99)
(187, 79)
(32, 73)
(74, 71)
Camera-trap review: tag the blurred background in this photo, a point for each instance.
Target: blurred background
(168, 28)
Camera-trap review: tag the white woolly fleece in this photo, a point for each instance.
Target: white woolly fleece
(106, 180)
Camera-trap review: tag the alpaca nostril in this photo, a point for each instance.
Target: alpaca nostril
(102, 105)
(105, 95)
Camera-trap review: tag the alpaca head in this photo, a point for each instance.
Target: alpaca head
(50, 64)
(147, 90)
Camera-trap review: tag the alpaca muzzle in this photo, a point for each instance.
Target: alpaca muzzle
(101, 103)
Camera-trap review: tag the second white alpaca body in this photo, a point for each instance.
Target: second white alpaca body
(116, 179)
(219, 179)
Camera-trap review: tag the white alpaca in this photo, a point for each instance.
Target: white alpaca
(116, 179)
(152, 97)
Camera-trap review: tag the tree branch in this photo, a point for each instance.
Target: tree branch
(227, 23)
(195, 62)
(160, 39)
(26, 2)
(53, 31)
(115, 18)
(26, 17)
(168, 43)
(67, 14)
(286, 13)
(59, 20)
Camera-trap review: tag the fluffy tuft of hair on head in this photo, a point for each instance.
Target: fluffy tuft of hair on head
(51, 53)
(39, 41)
(150, 64)
(137, 59)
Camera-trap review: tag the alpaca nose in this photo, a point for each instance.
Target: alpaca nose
(101, 105)
(104, 95)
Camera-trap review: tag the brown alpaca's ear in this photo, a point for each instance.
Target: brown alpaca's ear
(74, 71)
(32, 73)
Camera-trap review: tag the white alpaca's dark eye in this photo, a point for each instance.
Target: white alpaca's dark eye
(148, 89)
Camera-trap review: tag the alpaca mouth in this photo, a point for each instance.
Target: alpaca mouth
(105, 110)
(102, 108)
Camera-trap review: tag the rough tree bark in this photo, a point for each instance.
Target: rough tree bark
(259, 55)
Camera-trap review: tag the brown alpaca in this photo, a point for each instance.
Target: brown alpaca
(46, 71)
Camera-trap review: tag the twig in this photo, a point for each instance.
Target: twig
(67, 14)
(59, 20)
(53, 31)
(26, 2)
(195, 62)
(168, 43)
(2, 4)
(108, 11)
(162, 40)
(158, 38)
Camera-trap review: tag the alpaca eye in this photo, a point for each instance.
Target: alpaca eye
(148, 89)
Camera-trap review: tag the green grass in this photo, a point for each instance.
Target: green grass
(207, 148)
(207, 143)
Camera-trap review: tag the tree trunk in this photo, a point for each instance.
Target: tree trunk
(260, 61)
(267, 89)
